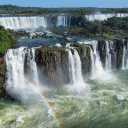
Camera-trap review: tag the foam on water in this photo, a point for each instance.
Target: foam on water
(19, 119)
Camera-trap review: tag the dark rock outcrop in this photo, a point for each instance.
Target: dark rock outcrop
(119, 52)
(52, 65)
(116, 52)
(2, 77)
(102, 50)
(84, 52)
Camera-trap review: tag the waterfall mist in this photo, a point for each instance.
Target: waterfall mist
(21, 64)
(77, 82)
(102, 16)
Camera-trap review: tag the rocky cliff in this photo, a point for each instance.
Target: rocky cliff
(119, 52)
(52, 65)
(116, 52)
(102, 51)
(53, 62)
(2, 77)
(84, 53)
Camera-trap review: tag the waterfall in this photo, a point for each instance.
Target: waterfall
(108, 55)
(99, 68)
(16, 84)
(62, 20)
(23, 22)
(75, 68)
(100, 73)
(125, 56)
(70, 18)
(32, 66)
(92, 55)
(75, 71)
(101, 16)
(96, 65)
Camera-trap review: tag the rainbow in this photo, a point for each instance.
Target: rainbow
(28, 81)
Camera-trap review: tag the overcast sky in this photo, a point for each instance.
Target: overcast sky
(68, 3)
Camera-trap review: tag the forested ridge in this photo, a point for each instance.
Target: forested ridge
(16, 10)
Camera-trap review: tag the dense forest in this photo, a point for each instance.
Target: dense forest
(16, 10)
(7, 40)
(113, 27)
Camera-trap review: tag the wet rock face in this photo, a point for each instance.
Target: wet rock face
(84, 53)
(119, 52)
(2, 77)
(102, 50)
(52, 65)
(116, 52)
(52, 20)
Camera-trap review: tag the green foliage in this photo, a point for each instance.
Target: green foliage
(2, 68)
(75, 44)
(16, 10)
(106, 29)
(58, 30)
(46, 51)
(6, 40)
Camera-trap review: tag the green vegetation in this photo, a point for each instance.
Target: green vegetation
(75, 44)
(107, 29)
(2, 68)
(79, 24)
(6, 40)
(28, 11)
(59, 30)
(16, 10)
(46, 51)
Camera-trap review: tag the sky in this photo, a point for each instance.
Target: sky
(68, 3)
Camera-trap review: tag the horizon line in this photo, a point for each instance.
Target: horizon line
(61, 7)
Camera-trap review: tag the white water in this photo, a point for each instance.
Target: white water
(23, 22)
(92, 55)
(63, 20)
(96, 65)
(16, 83)
(99, 68)
(75, 72)
(102, 17)
(108, 64)
(125, 56)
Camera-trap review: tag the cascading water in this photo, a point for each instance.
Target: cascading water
(23, 22)
(92, 55)
(62, 20)
(101, 16)
(75, 71)
(16, 83)
(124, 58)
(96, 65)
(108, 56)
(99, 69)
(70, 20)
(75, 68)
